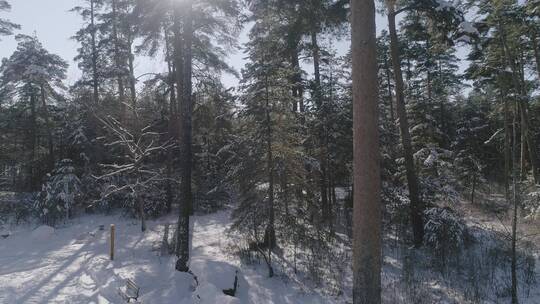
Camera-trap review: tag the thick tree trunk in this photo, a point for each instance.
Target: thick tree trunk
(416, 205)
(367, 207)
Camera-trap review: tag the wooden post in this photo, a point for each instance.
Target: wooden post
(112, 242)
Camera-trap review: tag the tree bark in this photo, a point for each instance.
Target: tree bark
(31, 183)
(270, 232)
(514, 215)
(118, 62)
(323, 175)
(506, 151)
(173, 120)
(416, 205)
(93, 31)
(367, 208)
(522, 104)
(48, 124)
(536, 53)
(184, 73)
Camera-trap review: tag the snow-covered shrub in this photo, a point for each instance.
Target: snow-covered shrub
(531, 203)
(59, 194)
(445, 232)
(444, 229)
(24, 208)
(436, 173)
(154, 200)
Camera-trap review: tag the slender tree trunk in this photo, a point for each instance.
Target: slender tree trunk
(531, 145)
(367, 254)
(270, 233)
(118, 62)
(536, 53)
(93, 31)
(389, 88)
(31, 183)
(298, 87)
(48, 124)
(323, 173)
(186, 197)
(473, 186)
(522, 104)
(416, 205)
(522, 160)
(506, 151)
(140, 205)
(187, 200)
(132, 80)
(173, 121)
(515, 209)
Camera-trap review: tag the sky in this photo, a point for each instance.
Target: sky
(54, 24)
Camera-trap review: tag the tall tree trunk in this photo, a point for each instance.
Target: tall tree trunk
(531, 145)
(186, 106)
(506, 150)
(367, 207)
(118, 62)
(48, 125)
(389, 88)
(522, 157)
(140, 205)
(93, 32)
(522, 103)
(173, 120)
(31, 184)
(132, 80)
(536, 53)
(416, 205)
(473, 186)
(515, 210)
(270, 232)
(323, 173)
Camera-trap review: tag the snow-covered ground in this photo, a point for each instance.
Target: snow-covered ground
(71, 265)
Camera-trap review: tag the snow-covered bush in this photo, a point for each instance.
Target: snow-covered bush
(531, 203)
(436, 172)
(445, 232)
(24, 208)
(59, 194)
(444, 229)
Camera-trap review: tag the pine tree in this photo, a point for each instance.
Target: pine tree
(33, 76)
(90, 57)
(6, 27)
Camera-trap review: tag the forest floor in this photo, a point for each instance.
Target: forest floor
(72, 265)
